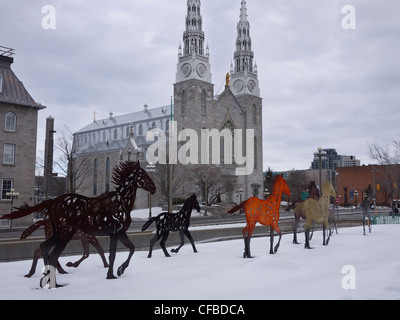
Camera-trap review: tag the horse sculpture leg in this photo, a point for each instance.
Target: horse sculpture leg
(85, 246)
(113, 250)
(295, 231)
(189, 236)
(123, 238)
(275, 250)
(165, 235)
(152, 243)
(247, 233)
(182, 242)
(307, 235)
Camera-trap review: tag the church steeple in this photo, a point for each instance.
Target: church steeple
(244, 71)
(193, 58)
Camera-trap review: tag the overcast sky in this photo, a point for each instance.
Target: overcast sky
(322, 85)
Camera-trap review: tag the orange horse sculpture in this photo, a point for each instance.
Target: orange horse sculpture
(265, 212)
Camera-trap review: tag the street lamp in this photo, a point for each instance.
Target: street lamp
(13, 195)
(319, 154)
(150, 168)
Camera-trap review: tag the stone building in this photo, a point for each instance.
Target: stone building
(18, 133)
(104, 143)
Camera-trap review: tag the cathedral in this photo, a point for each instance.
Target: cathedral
(238, 109)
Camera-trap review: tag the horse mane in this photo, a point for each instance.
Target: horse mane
(122, 172)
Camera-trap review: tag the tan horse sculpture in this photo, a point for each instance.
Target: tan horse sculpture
(318, 211)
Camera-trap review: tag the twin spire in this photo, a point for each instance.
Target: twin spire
(194, 43)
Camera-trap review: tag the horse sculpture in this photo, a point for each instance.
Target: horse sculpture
(300, 214)
(366, 206)
(169, 222)
(106, 215)
(265, 212)
(318, 211)
(84, 238)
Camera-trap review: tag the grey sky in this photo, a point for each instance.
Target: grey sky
(321, 85)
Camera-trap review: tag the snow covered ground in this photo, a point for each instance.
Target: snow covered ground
(218, 271)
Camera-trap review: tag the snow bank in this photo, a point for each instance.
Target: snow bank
(218, 271)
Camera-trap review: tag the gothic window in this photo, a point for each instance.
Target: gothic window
(167, 126)
(95, 171)
(104, 136)
(204, 102)
(254, 111)
(153, 126)
(108, 173)
(183, 102)
(140, 130)
(115, 134)
(127, 132)
(255, 154)
(227, 144)
(1, 83)
(11, 122)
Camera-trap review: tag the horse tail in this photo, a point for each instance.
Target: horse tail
(32, 229)
(236, 208)
(148, 224)
(26, 210)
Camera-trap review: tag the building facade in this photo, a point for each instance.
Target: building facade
(18, 133)
(106, 142)
(331, 160)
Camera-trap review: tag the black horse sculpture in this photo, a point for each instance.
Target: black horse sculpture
(366, 206)
(106, 215)
(169, 222)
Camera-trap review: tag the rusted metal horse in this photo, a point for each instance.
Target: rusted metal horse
(84, 238)
(318, 211)
(265, 212)
(106, 215)
(170, 222)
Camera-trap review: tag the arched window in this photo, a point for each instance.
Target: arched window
(153, 126)
(140, 130)
(254, 111)
(227, 144)
(167, 126)
(115, 134)
(104, 136)
(183, 102)
(95, 172)
(1, 83)
(11, 122)
(108, 173)
(204, 102)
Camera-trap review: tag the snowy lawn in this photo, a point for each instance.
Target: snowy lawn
(218, 271)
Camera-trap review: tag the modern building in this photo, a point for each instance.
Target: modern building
(331, 160)
(105, 142)
(18, 133)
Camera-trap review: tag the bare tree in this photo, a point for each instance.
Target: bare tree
(210, 180)
(389, 158)
(75, 170)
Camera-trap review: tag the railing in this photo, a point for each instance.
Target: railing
(7, 52)
(385, 219)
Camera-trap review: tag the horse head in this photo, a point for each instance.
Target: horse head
(131, 174)
(192, 201)
(283, 185)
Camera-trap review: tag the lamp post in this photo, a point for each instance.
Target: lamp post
(319, 154)
(13, 195)
(150, 168)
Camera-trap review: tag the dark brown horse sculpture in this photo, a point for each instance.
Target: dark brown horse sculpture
(106, 215)
(84, 238)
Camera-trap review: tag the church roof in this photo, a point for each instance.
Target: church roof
(131, 118)
(12, 89)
